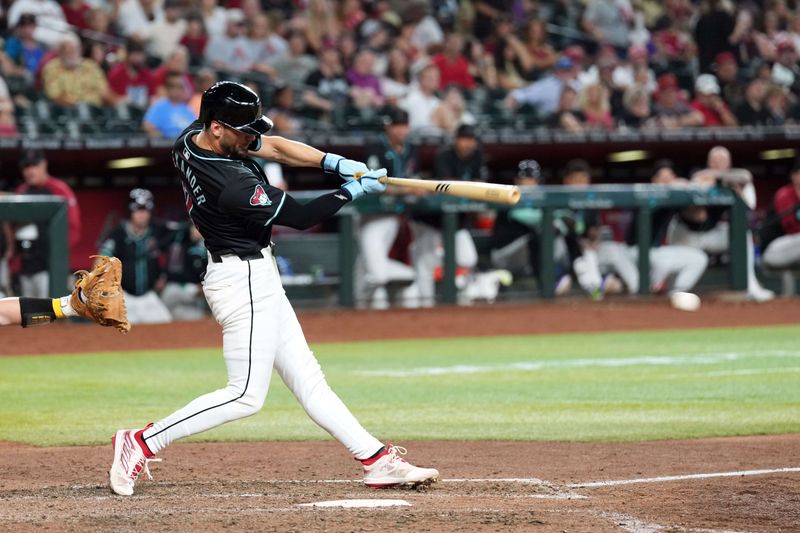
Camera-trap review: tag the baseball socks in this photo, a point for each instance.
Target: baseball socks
(374, 457)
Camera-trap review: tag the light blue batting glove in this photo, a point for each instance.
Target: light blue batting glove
(366, 184)
(347, 169)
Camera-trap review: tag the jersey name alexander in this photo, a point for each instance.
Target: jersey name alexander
(190, 180)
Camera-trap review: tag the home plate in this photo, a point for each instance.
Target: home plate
(358, 503)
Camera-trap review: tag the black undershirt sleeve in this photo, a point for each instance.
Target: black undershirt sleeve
(303, 216)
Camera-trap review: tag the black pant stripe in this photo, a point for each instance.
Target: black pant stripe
(249, 365)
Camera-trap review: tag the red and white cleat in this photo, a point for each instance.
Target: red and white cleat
(130, 458)
(390, 469)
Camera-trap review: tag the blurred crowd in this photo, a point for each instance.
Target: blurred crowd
(124, 66)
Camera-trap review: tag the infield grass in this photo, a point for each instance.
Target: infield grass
(599, 386)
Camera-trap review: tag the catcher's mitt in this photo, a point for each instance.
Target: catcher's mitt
(98, 294)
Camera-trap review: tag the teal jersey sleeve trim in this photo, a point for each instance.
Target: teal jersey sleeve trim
(278, 210)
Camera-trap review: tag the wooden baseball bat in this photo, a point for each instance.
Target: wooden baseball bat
(485, 192)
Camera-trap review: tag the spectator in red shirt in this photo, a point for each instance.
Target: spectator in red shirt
(708, 102)
(177, 61)
(76, 11)
(195, 39)
(453, 66)
(131, 81)
(32, 238)
(784, 249)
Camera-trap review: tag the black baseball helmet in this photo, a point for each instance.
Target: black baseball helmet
(235, 106)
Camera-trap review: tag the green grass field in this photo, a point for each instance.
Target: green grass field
(607, 386)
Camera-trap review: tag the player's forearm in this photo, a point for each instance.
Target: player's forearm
(288, 152)
(303, 216)
(33, 311)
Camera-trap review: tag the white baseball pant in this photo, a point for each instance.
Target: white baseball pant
(686, 263)
(426, 255)
(783, 252)
(376, 237)
(260, 332)
(715, 241)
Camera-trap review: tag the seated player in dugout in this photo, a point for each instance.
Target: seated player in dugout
(139, 242)
(382, 275)
(516, 232)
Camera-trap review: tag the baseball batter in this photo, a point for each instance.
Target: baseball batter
(232, 203)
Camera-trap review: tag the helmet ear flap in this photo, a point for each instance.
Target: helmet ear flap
(255, 146)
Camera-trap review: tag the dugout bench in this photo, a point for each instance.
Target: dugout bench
(643, 198)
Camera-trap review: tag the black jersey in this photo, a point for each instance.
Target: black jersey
(140, 254)
(229, 199)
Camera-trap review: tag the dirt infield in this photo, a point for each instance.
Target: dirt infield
(487, 486)
(727, 484)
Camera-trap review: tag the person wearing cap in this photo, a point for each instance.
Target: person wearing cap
(543, 94)
(22, 49)
(708, 102)
(32, 238)
(671, 109)
(785, 71)
(139, 243)
(168, 116)
(382, 273)
(514, 243)
(130, 80)
(732, 87)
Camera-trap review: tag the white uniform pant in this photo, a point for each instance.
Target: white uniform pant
(260, 332)
(714, 241)
(685, 263)
(375, 269)
(783, 252)
(146, 309)
(184, 300)
(426, 255)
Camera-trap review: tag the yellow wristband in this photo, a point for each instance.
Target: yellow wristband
(57, 308)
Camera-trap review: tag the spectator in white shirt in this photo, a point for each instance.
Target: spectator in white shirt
(162, 36)
(422, 101)
(135, 15)
(51, 25)
(215, 17)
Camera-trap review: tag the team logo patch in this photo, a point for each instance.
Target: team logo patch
(260, 197)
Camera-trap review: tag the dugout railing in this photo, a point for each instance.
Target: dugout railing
(643, 198)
